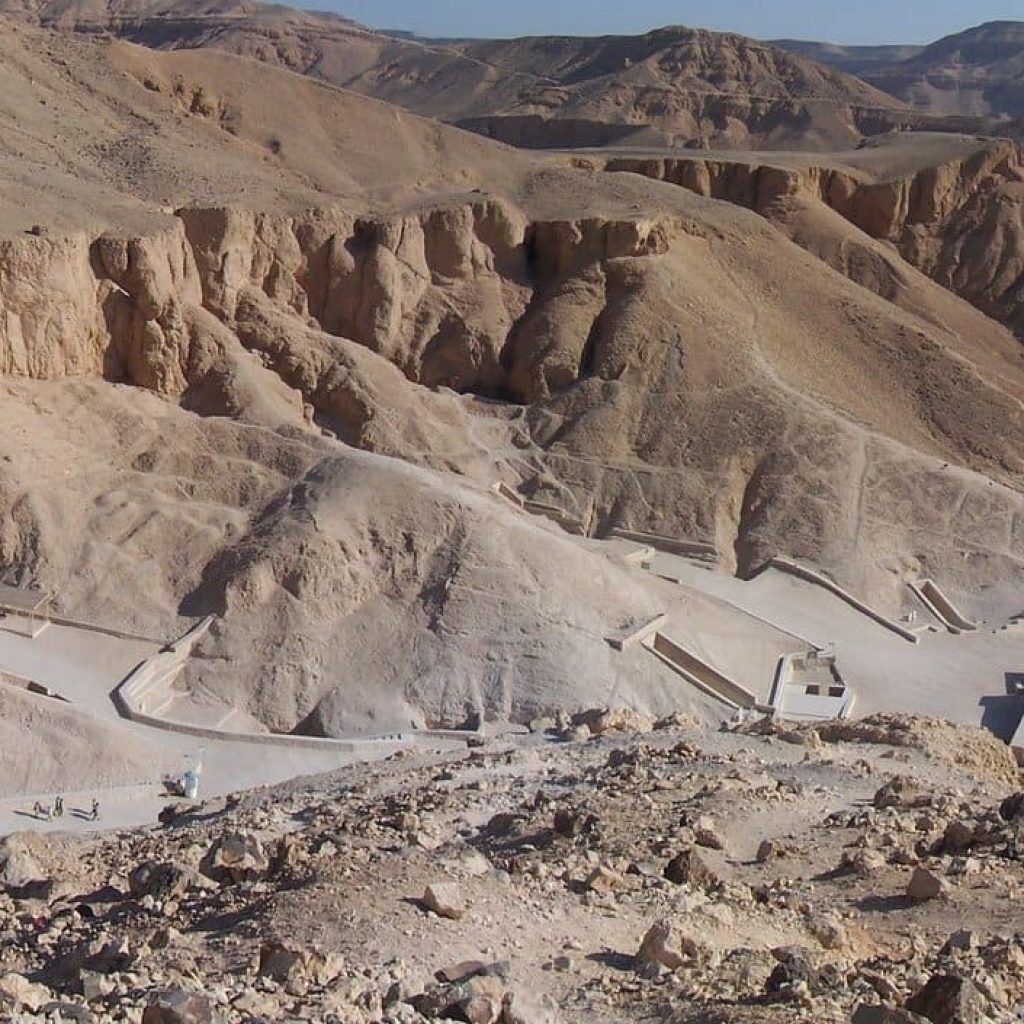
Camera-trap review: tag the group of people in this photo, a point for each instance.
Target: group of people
(57, 810)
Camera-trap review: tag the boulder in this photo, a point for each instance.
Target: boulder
(707, 833)
(296, 966)
(445, 900)
(868, 1013)
(602, 880)
(690, 868)
(901, 791)
(663, 945)
(18, 867)
(480, 1000)
(605, 720)
(163, 880)
(94, 985)
(958, 837)
(926, 885)
(177, 1006)
(20, 993)
(527, 1008)
(466, 969)
(863, 862)
(795, 971)
(949, 999)
(1012, 807)
(828, 930)
(236, 857)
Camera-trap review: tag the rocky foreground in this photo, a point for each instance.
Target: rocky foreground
(579, 873)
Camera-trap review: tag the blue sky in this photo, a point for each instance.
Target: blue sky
(848, 21)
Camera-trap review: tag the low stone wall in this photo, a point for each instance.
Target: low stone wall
(672, 545)
(145, 691)
(30, 686)
(567, 521)
(92, 627)
(820, 580)
(629, 637)
(929, 594)
(698, 672)
(503, 490)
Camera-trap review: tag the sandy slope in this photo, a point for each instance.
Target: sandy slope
(45, 746)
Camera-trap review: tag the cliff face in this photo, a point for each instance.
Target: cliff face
(960, 222)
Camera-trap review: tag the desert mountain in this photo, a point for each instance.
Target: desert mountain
(268, 344)
(978, 72)
(854, 60)
(674, 86)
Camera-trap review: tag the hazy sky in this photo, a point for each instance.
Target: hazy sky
(846, 21)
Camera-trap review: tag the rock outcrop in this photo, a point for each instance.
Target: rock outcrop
(959, 219)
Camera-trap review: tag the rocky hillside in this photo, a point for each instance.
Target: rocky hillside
(978, 72)
(854, 60)
(673, 86)
(675, 875)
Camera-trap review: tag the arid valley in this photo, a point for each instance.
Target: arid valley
(508, 530)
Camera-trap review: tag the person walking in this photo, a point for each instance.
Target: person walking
(95, 813)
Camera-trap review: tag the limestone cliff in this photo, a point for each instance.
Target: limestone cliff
(961, 221)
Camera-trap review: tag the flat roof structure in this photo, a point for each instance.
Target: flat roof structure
(27, 600)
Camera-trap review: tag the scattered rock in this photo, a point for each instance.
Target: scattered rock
(689, 867)
(177, 1006)
(663, 945)
(926, 885)
(948, 999)
(445, 900)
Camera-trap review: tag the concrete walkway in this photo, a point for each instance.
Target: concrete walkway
(85, 668)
